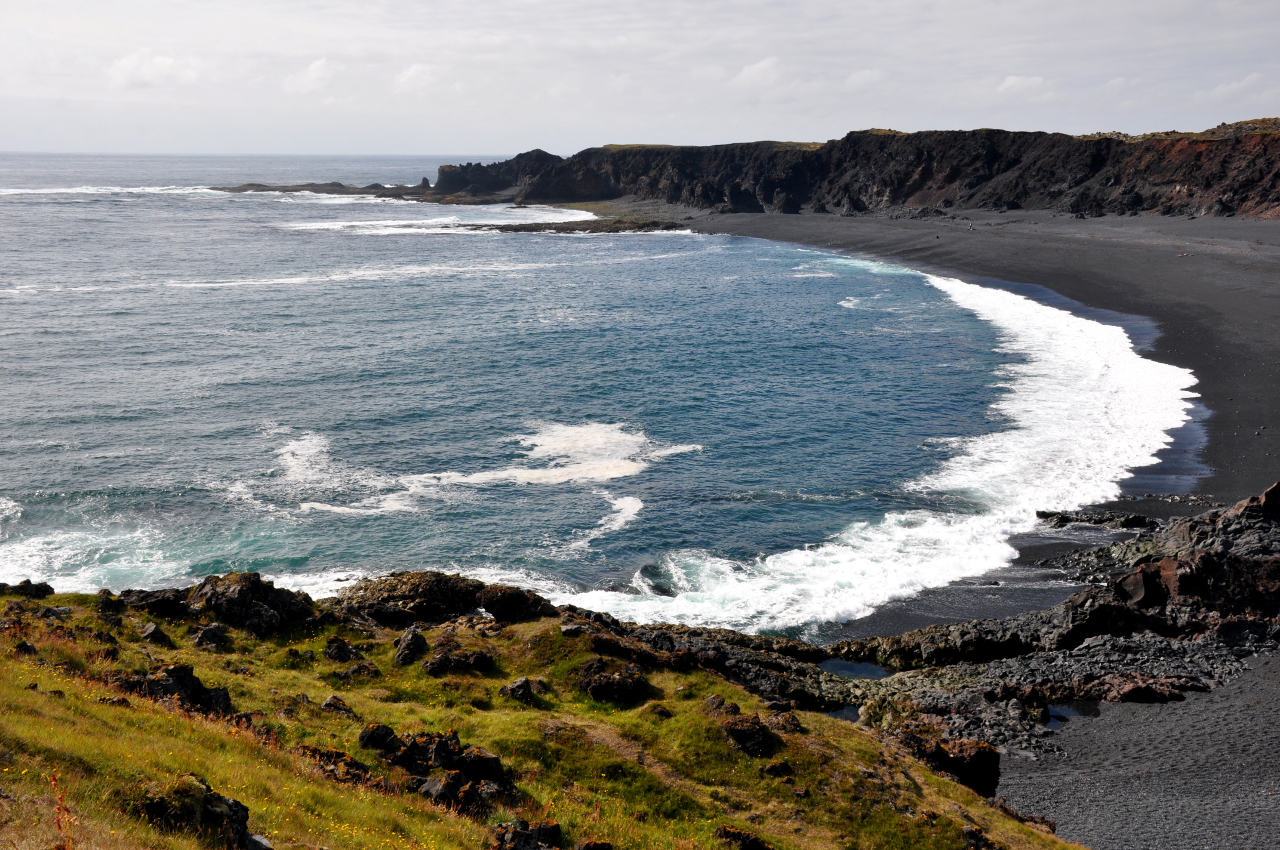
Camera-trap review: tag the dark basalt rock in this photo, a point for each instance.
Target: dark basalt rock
(903, 175)
(212, 636)
(27, 589)
(785, 721)
(608, 683)
(337, 649)
(248, 601)
(336, 765)
(463, 777)
(170, 603)
(380, 737)
(361, 670)
(1107, 519)
(151, 633)
(106, 603)
(399, 599)
(750, 735)
(178, 683)
(513, 605)
(522, 835)
(337, 705)
(524, 690)
(741, 839)
(446, 661)
(410, 646)
(189, 804)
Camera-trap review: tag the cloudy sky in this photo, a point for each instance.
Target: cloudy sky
(500, 76)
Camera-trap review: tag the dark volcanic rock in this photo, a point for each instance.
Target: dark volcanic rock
(464, 778)
(410, 646)
(522, 835)
(1183, 606)
(248, 601)
(170, 603)
(446, 660)
(336, 765)
(189, 804)
(176, 682)
(741, 839)
(380, 737)
(337, 649)
(513, 605)
(337, 705)
(152, 633)
(750, 735)
(27, 589)
(212, 636)
(524, 690)
(913, 175)
(399, 599)
(1107, 519)
(607, 682)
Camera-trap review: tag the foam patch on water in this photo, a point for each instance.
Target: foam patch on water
(456, 220)
(554, 454)
(625, 511)
(1083, 410)
(339, 200)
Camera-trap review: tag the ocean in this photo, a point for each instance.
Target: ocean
(665, 426)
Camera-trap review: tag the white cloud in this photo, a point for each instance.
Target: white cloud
(313, 78)
(759, 74)
(1019, 85)
(1234, 87)
(146, 69)
(863, 79)
(417, 78)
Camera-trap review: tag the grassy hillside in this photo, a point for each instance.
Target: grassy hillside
(654, 768)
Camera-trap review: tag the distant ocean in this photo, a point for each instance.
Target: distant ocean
(665, 426)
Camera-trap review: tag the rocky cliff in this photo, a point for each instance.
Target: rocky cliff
(1233, 169)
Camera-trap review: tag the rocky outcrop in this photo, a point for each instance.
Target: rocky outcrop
(1179, 610)
(189, 804)
(178, 684)
(245, 600)
(400, 599)
(250, 602)
(513, 605)
(1231, 170)
(443, 769)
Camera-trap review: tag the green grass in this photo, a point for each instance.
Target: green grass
(606, 772)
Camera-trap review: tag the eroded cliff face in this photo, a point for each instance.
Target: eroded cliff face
(1223, 173)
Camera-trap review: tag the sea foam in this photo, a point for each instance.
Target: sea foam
(554, 454)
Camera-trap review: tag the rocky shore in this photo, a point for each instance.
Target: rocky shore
(1177, 609)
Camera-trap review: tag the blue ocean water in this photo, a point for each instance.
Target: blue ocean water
(665, 425)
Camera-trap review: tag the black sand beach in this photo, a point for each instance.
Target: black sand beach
(1200, 773)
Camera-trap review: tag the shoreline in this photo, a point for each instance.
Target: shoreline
(1210, 287)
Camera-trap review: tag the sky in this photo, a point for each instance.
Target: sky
(502, 76)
